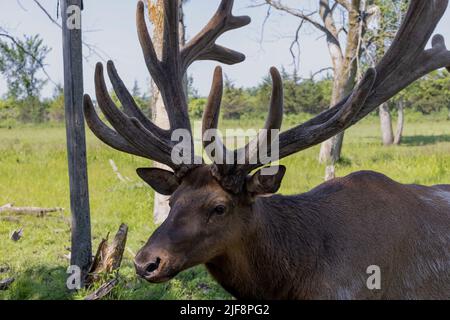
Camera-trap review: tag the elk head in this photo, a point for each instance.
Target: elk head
(212, 205)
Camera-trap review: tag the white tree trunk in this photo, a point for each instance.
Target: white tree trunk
(330, 150)
(400, 123)
(345, 66)
(387, 133)
(161, 203)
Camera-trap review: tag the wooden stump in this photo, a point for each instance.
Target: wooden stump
(109, 256)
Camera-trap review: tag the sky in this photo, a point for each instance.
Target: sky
(109, 25)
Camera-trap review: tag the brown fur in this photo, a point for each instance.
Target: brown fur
(317, 245)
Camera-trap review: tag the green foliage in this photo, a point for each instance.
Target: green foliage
(196, 107)
(55, 110)
(235, 102)
(384, 22)
(300, 97)
(428, 95)
(8, 113)
(142, 100)
(20, 62)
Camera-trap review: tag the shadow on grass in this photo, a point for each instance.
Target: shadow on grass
(39, 283)
(49, 283)
(422, 140)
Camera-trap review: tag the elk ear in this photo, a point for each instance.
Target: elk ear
(266, 180)
(163, 181)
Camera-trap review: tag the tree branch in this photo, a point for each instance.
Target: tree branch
(344, 3)
(297, 13)
(4, 34)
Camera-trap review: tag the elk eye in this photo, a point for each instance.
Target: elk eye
(220, 209)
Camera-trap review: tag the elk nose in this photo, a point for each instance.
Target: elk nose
(145, 270)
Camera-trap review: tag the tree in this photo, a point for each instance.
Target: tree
(235, 100)
(337, 20)
(159, 115)
(381, 32)
(428, 95)
(20, 62)
(300, 95)
(56, 105)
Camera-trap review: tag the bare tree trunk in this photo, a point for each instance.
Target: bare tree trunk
(160, 202)
(345, 68)
(159, 115)
(400, 123)
(330, 150)
(387, 133)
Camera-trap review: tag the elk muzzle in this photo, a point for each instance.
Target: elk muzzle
(154, 265)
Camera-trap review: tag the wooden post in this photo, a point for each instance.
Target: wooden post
(81, 254)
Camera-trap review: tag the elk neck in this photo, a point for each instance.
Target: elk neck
(283, 235)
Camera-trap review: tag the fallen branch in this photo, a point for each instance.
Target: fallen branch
(34, 211)
(103, 290)
(4, 284)
(9, 219)
(117, 172)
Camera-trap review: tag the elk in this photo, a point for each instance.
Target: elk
(261, 245)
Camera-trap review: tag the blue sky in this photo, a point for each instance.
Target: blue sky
(110, 26)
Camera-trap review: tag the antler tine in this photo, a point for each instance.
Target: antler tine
(211, 119)
(103, 132)
(222, 167)
(171, 44)
(130, 128)
(275, 117)
(129, 105)
(203, 47)
(265, 137)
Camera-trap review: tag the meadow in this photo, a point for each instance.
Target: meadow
(33, 172)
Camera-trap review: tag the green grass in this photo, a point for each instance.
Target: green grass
(33, 172)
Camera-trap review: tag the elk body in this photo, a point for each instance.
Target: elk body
(225, 215)
(316, 245)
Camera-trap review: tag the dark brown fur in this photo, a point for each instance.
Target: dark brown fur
(317, 245)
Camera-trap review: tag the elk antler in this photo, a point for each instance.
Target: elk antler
(230, 173)
(132, 131)
(405, 62)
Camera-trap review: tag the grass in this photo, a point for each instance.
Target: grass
(33, 171)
